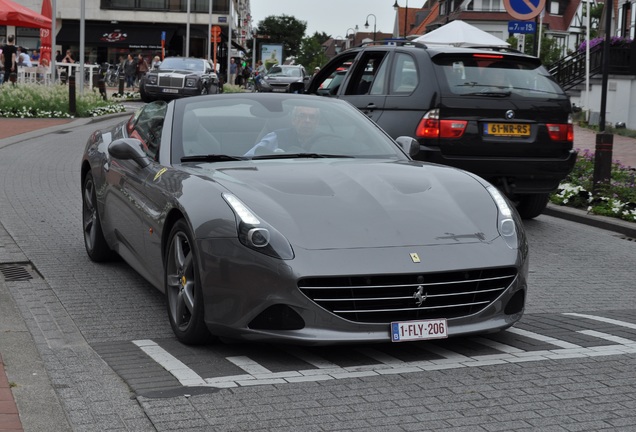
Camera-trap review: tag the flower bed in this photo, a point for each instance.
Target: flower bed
(616, 199)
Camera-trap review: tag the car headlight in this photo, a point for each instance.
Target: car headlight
(191, 82)
(257, 234)
(152, 79)
(506, 223)
(264, 83)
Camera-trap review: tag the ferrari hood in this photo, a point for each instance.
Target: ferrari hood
(332, 204)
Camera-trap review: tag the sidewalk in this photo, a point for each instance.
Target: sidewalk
(48, 413)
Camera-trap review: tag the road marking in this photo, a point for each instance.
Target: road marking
(542, 338)
(186, 376)
(256, 374)
(608, 337)
(603, 319)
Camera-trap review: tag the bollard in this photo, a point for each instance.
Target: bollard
(121, 85)
(72, 106)
(101, 85)
(602, 161)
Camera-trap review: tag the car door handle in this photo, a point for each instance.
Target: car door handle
(371, 106)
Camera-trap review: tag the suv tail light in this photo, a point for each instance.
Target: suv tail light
(561, 132)
(432, 127)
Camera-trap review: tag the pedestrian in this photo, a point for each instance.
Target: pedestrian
(68, 58)
(156, 61)
(35, 56)
(246, 72)
(58, 56)
(142, 67)
(24, 60)
(233, 71)
(9, 59)
(130, 70)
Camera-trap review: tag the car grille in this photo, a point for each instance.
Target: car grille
(388, 298)
(171, 81)
(279, 86)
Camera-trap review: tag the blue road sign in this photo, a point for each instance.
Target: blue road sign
(524, 9)
(521, 27)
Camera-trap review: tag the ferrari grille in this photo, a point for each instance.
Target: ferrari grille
(171, 81)
(387, 298)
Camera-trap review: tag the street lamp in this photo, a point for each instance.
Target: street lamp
(396, 6)
(366, 24)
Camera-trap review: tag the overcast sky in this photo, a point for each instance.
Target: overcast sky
(333, 17)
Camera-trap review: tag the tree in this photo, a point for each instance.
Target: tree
(550, 50)
(285, 30)
(311, 51)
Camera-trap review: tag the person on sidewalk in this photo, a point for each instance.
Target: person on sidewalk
(130, 71)
(142, 67)
(9, 59)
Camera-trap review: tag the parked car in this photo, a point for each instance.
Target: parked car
(279, 217)
(283, 79)
(498, 114)
(177, 77)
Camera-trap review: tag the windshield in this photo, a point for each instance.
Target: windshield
(182, 64)
(262, 126)
(284, 71)
(496, 75)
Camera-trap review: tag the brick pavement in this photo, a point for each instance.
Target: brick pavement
(9, 417)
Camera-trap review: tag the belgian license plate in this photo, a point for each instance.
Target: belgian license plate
(419, 330)
(169, 90)
(507, 129)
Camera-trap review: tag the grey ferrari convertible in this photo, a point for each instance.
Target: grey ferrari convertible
(281, 217)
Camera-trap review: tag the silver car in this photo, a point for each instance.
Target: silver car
(279, 217)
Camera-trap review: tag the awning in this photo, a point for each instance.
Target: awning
(115, 35)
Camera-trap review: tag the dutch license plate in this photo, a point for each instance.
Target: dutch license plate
(169, 90)
(507, 129)
(280, 90)
(419, 330)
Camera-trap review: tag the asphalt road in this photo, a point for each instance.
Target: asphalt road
(89, 346)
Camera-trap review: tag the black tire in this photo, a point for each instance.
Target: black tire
(183, 287)
(94, 241)
(143, 95)
(532, 205)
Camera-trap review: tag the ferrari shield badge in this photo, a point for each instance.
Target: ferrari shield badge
(415, 257)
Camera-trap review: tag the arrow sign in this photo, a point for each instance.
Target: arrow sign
(524, 9)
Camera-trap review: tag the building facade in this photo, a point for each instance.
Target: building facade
(115, 28)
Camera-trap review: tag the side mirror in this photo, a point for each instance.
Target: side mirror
(129, 148)
(409, 145)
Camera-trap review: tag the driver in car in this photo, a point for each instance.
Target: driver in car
(304, 122)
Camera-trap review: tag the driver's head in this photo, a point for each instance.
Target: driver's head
(305, 119)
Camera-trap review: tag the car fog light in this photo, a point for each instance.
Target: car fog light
(259, 237)
(507, 227)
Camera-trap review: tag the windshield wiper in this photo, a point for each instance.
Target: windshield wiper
(300, 155)
(212, 158)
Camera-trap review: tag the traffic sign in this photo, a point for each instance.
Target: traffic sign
(524, 9)
(215, 30)
(521, 27)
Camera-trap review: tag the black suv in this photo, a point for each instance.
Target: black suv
(496, 113)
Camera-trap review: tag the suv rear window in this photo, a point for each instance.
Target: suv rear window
(488, 74)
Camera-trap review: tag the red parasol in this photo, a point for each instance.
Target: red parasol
(45, 35)
(13, 14)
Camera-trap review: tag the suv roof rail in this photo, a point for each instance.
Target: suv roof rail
(393, 42)
(494, 48)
